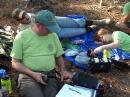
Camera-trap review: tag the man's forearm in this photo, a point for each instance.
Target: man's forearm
(64, 72)
(60, 62)
(18, 66)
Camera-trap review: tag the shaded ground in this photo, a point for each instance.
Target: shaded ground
(120, 79)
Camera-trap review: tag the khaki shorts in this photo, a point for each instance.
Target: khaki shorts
(28, 87)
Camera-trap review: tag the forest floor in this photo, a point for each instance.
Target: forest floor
(120, 79)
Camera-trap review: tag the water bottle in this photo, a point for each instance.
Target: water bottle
(3, 89)
(6, 82)
(2, 73)
(106, 53)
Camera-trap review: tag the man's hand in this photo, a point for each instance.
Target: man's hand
(20, 67)
(38, 77)
(96, 51)
(66, 76)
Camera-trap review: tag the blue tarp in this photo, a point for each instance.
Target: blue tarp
(89, 43)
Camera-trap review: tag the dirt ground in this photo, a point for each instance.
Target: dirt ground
(120, 79)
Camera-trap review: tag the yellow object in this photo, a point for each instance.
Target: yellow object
(106, 53)
(6, 82)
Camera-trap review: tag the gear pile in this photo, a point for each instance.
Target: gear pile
(7, 35)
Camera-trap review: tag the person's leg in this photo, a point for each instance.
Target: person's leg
(66, 22)
(88, 23)
(101, 22)
(29, 87)
(73, 27)
(71, 32)
(51, 89)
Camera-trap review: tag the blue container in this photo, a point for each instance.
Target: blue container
(2, 73)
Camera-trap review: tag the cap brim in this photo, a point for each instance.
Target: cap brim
(54, 28)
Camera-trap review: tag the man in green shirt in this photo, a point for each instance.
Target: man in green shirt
(124, 22)
(35, 53)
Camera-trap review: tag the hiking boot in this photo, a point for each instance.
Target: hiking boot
(101, 22)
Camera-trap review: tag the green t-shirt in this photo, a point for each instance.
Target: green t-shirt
(126, 9)
(123, 38)
(37, 52)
